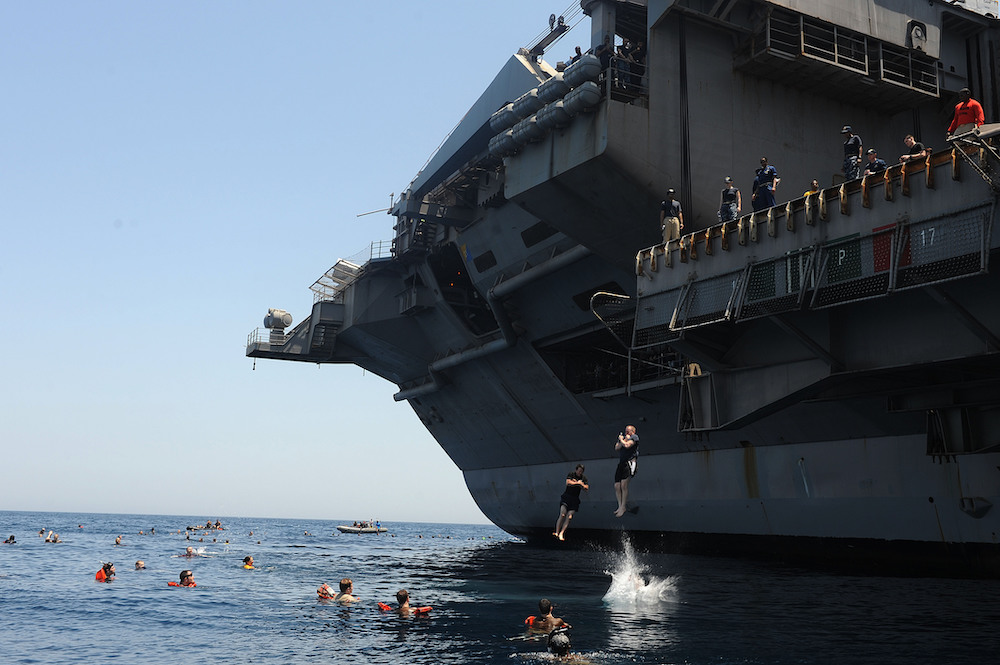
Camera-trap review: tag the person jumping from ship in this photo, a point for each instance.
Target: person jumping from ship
(628, 458)
(569, 502)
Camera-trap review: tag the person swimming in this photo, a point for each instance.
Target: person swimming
(10, 541)
(187, 579)
(558, 642)
(140, 565)
(106, 573)
(346, 592)
(545, 622)
(403, 602)
(403, 598)
(248, 562)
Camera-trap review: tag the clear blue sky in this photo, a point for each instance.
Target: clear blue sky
(170, 171)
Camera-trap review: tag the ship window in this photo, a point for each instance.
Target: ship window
(485, 261)
(582, 299)
(537, 233)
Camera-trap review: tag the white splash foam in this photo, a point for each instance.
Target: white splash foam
(633, 586)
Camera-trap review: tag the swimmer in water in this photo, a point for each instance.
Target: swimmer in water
(140, 565)
(10, 541)
(546, 622)
(189, 552)
(118, 541)
(559, 644)
(346, 591)
(187, 578)
(248, 562)
(106, 573)
(403, 598)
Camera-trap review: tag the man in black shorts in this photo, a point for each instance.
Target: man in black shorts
(569, 502)
(628, 457)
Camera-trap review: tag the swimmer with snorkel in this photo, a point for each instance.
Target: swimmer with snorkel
(106, 573)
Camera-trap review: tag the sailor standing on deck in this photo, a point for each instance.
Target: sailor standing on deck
(917, 151)
(968, 114)
(765, 183)
(671, 217)
(852, 154)
(731, 202)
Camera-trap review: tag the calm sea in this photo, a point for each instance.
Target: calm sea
(625, 606)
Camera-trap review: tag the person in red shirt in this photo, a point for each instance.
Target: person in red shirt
(968, 114)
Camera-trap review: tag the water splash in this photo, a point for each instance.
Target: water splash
(633, 586)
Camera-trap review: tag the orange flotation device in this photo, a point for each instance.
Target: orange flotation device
(415, 610)
(179, 584)
(248, 567)
(101, 576)
(530, 621)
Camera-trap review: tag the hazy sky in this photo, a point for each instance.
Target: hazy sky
(171, 170)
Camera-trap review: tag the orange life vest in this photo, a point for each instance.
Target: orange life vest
(415, 610)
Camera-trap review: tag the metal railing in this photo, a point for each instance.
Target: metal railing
(625, 80)
(905, 255)
(331, 284)
(266, 338)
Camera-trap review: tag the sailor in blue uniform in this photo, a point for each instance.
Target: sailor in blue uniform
(764, 185)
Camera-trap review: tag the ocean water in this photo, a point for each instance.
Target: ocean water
(624, 606)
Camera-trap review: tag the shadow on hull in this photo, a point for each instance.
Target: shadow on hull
(899, 558)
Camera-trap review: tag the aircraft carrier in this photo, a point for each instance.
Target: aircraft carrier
(818, 380)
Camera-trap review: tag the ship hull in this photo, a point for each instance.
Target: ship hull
(810, 499)
(818, 379)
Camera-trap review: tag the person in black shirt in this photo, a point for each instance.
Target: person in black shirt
(852, 154)
(917, 151)
(569, 502)
(671, 217)
(731, 202)
(605, 51)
